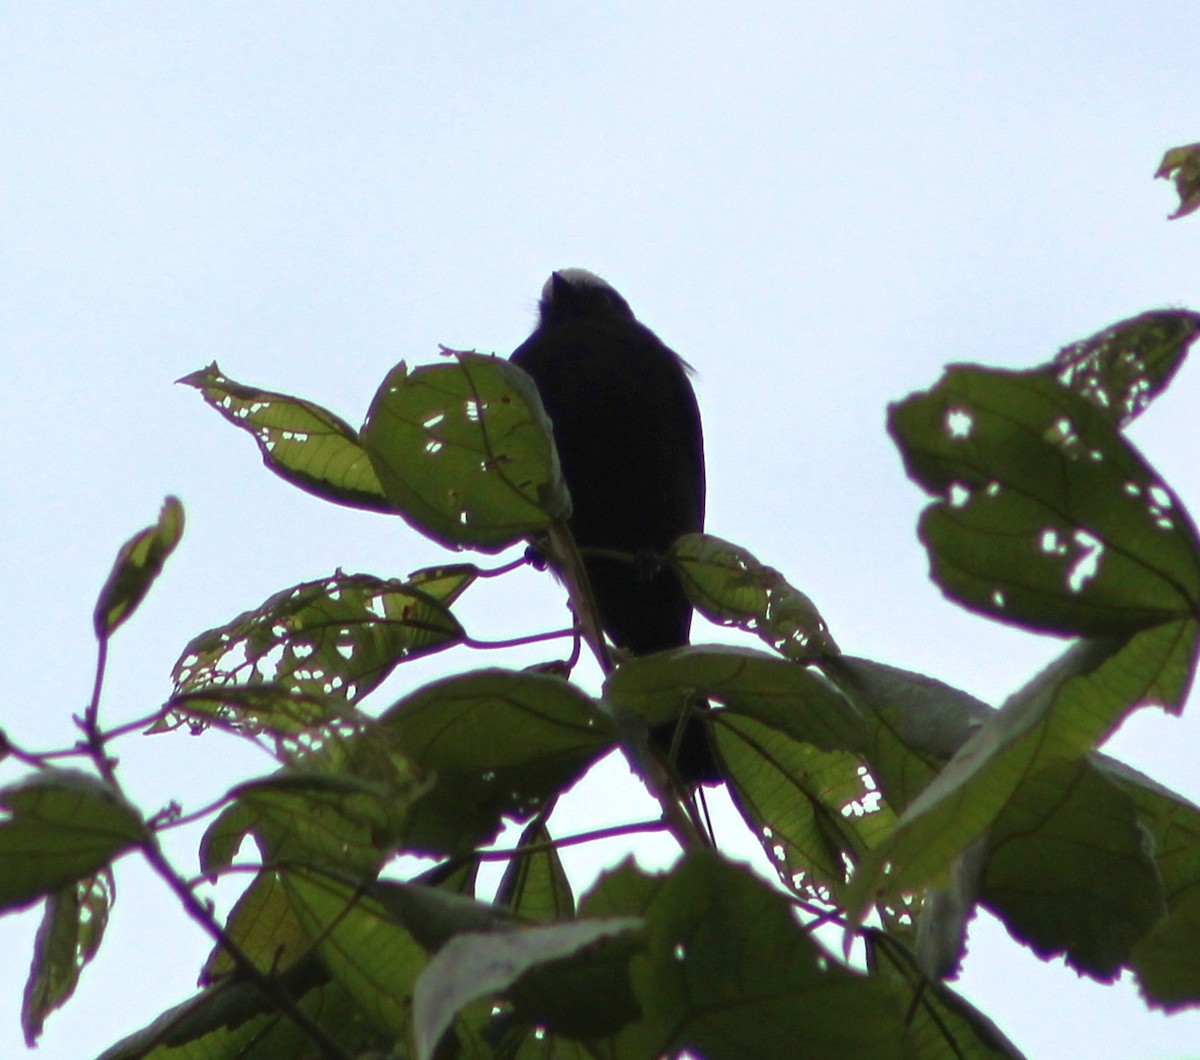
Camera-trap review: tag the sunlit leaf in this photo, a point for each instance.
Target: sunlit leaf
(534, 885)
(137, 565)
(257, 708)
(464, 452)
(1182, 164)
(1046, 516)
(302, 443)
(366, 950)
(812, 811)
(1121, 369)
(68, 938)
(728, 585)
(264, 927)
(57, 827)
(335, 638)
(445, 583)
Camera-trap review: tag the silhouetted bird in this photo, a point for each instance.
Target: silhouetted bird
(628, 434)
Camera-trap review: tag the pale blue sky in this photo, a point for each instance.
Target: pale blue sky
(817, 204)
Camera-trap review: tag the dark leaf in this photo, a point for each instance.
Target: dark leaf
(60, 826)
(137, 565)
(763, 996)
(570, 975)
(1124, 367)
(1047, 517)
(67, 940)
(1069, 869)
(745, 682)
(1182, 164)
(498, 743)
(1059, 716)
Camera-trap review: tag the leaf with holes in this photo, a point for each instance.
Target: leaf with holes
(1124, 367)
(67, 940)
(338, 638)
(302, 443)
(728, 585)
(465, 453)
(1046, 516)
(137, 565)
(915, 724)
(815, 813)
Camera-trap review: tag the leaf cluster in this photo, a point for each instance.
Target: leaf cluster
(889, 804)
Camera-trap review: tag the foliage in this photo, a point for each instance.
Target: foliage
(889, 804)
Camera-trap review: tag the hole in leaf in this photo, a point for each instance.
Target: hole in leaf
(959, 423)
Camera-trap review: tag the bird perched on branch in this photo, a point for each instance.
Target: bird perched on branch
(628, 434)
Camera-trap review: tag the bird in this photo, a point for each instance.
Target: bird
(627, 428)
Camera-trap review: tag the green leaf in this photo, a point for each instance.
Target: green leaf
(811, 810)
(728, 585)
(67, 940)
(938, 1024)
(264, 926)
(744, 682)
(1060, 714)
(137, 565)
(1182, 164)
(472, 967)
(1123, 368)
(915, 723)
(223, 838)
(282, 712)
(337, 638)
(302, 443)
(534, 885)
(444, 583)
(1047, 517)
(465, 453)
(60, 826)
(1069, 869)
(333, 819)
(1166, 959)
(498, 743)
(763, 996)
(233, 1021)
(368, 953)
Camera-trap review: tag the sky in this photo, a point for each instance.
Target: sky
(819, 205)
